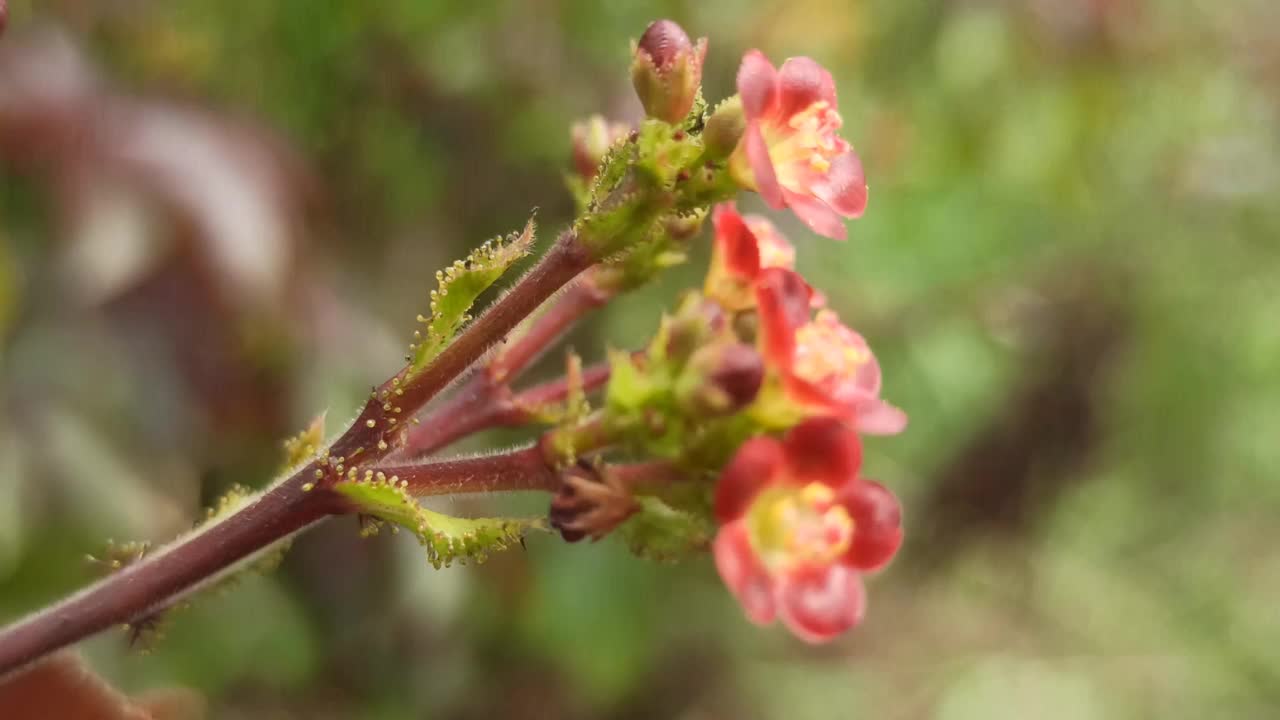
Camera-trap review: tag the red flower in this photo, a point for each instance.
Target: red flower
(791, 152)
(799, 528)
(744, 245)
(821, 363)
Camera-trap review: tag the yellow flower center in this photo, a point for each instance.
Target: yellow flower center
(826, 350)
(799, 526)
(807, 141)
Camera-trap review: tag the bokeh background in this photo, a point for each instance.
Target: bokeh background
(218, 218)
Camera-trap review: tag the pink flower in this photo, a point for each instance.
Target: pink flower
(743, 246)
(799, 528)
(822, 365)
(791, 153)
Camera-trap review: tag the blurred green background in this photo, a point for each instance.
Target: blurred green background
(217, 219)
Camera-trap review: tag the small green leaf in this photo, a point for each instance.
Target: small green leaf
(460, 285)
(446, 538)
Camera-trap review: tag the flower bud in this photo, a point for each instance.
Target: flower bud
(724, 128)
(592, 140)
(684, 227)
(695, 323)
(667, 70)
(589, 503)
(720, 379)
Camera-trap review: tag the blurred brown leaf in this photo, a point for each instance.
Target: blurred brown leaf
(64, 687)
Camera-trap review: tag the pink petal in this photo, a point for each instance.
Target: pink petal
(757, 84)
(877, 524)
(740, 250)
(818, 604)
(754, 466)
(814, 213)
(762, 167)
(844, 186)
(743, 573)
(802, 82)
(823, 450)
(782, 299)
(877, 417)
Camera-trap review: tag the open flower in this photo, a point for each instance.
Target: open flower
(799, 528)
(791, 153)
(744, 245)
(820, 363)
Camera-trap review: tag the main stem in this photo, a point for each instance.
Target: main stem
(157, 581)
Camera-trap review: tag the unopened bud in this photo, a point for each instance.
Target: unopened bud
(724, 128)
(721, 379)
(694, 324)
(592, 140)
(667, 70)
(684, 227)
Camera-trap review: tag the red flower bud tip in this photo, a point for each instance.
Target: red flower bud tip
(800, 528)
(667, 70)
(721, 378)
(825, 366)
(592, 140)
(791, 151)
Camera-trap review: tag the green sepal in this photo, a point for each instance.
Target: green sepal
(447, 539)
(663, 533)
(460, 285)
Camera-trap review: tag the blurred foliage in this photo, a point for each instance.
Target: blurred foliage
(1069, 269)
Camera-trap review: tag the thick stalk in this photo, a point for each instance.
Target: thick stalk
(156, 581)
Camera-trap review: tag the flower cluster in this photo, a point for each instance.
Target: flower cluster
(754, 380)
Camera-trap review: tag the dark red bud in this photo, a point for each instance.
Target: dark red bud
(721, 378)
(663, 40)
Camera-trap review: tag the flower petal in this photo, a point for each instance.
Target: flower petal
(735, 241)
(874, 416)
(762, 169)
(782, 297)
(815, 213)
(743, 573)
(844, 186)
(877, 524)
(818, 604)
(757, 84)
(802, 82)
(753, 467)
(823, 450)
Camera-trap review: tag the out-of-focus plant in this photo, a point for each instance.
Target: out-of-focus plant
(736, 427)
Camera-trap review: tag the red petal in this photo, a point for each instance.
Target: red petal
(815, 213)
(762, 167)
(844, 186)
(801, 83)
(877, 524)
(874, 416)
(753, 467)
(743, 573)
(757, 84)
(740, 250)
(823, 450)
(782, 298)
(818, 604)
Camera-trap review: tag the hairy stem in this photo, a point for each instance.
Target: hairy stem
(157, 580)
(378, 430)
(525, 468)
